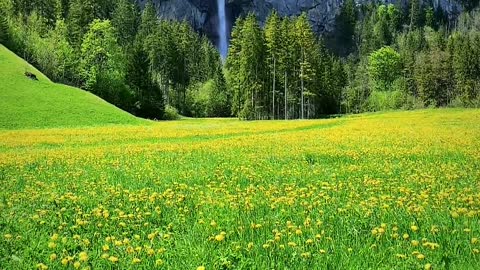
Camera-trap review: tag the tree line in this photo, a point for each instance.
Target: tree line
(281, 71)
(380, 57)
(128, 56)
(409, 57)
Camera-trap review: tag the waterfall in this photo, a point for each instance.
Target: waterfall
(222, 29)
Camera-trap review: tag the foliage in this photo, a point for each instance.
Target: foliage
(171, 113)
(102, 67)
(384, 67)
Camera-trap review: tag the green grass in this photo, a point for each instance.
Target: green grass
(397, 190)
(87, 186)
(27, 104)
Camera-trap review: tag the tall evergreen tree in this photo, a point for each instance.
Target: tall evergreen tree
(126, 19)
(273, 41)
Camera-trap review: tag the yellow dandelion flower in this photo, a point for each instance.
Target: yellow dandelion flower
(201, 268)
(113, 259)
(52, 245)
(306, 255)
(428, 266)
(474, 241)
(292, 244)
(414, 228)
(54, 237)
(220, 237)
(76, 265)
(83, 256)
(420, 256)
(42, 266)
(136, 260)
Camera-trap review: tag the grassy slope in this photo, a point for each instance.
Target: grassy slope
(29, 104)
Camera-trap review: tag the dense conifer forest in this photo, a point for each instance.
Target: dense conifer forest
(380, 57)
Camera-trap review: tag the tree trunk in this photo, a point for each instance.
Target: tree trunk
(273, 95)
(286, 112)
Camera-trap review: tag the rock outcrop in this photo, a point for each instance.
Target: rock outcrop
(202, 14)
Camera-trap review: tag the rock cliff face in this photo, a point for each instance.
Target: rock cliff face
(202, 14)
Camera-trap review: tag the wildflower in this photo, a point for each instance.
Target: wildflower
(52, 245)
(53, 257)
(136, 260)
(54, 237)
(83, 256)
(201, 268)
(220, 237)
(113, 259)
(414, 228)
(306, 255)
(428, 266)
(42, 266)
(76, 265)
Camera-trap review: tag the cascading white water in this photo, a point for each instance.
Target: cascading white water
(222, 28)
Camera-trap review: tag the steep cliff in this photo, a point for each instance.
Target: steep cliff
(202, 14)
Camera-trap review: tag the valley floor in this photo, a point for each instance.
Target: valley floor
(397, 190)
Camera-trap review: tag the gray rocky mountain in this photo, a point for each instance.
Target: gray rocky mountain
(202, 14)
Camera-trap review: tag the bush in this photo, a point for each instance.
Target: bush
(171, 113)
(381, 100)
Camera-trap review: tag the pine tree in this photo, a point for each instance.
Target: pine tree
(3, 26)
(232, 66)
(252, 69)
(345, 25)
(273, 40)
(306, 48)
(81, 14)
(126, 19)
(416, 14)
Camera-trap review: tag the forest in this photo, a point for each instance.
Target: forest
(380, 57)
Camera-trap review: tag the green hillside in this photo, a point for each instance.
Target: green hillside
(26, 103)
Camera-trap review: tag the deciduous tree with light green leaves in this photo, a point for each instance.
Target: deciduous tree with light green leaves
(384, 66)
(102, 66)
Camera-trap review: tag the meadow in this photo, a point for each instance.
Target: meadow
(396, 190)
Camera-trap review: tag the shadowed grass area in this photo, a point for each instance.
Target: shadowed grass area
(26, 103)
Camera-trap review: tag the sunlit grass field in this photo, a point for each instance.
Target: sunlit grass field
(396, 190)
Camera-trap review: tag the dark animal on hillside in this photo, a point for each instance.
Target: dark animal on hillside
(31, 76)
